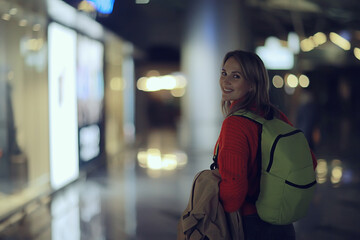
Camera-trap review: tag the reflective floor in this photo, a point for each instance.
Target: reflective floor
(142, 192)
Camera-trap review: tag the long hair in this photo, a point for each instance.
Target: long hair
(256, 75)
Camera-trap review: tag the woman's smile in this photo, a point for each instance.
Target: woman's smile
(227, 90)
(233, 85)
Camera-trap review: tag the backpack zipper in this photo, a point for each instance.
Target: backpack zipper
(301, 186)
(274, 145)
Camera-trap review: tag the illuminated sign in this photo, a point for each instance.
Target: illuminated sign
(274, 55)
(103, 6)
(63, 139)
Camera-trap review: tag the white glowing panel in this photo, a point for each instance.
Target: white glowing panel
(274, 55)
(64, 166)
(90, 96)
(90, 81)
(89, 142)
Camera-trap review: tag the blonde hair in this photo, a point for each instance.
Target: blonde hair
(256, 75)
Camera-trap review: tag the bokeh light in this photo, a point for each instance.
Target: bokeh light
(278, 81)
(304, 81)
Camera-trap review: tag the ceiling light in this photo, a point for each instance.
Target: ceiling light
(284, 57)
(278, 81)
(357, 53)
(142, 1)
(319, 38)
(292, 81)
(304, 81)
(340, 41)
(307, 45)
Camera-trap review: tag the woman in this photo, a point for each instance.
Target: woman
(244, 83)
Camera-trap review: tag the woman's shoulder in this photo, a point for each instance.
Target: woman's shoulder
(239, 123)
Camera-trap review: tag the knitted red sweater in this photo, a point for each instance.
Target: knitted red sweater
(238, 144)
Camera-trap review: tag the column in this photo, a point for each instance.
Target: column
(213, 28)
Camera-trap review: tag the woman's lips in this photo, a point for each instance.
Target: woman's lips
(226, 90)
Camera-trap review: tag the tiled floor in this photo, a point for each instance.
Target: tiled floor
(127, 201)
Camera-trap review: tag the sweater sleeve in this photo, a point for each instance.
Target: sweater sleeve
(236, 147)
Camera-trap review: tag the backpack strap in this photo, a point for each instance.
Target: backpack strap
(259, 120)
(242, 113)
(214, 165)
(250, 115)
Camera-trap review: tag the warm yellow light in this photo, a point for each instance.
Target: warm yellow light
(336, 174)
(169, 162)
(23, 23)
(321, 171)
(340, 41)
(292, 81)
(357, 53)
(178, 92)
(278, 81)
(168, 82)
(154, 158)
(319, 38)
(304, 81)
(142, 159)
(86, 6)
(157, 83)
(6, 17)
(154, 82)
(307, 45)
(35, 44)
(141, 83)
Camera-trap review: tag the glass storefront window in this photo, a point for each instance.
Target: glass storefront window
(24, 134)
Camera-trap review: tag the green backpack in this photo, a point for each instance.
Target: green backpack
(287, 175)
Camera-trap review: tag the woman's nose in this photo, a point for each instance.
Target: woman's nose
(226, 80)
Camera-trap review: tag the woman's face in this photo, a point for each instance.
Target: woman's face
(232, 82)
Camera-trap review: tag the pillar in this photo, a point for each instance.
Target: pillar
(212, 29)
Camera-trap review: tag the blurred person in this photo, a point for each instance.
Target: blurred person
(244, 83)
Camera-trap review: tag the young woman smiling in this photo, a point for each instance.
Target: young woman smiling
(244, 84)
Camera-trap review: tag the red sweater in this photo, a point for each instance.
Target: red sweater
(238, 144)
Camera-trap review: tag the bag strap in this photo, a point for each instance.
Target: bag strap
(250, 115)
(242, 113)
(257, 119)
(214, 165)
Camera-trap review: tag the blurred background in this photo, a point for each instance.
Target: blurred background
(108, 108)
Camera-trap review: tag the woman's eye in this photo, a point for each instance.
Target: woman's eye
(223, 73)
(236, 76)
